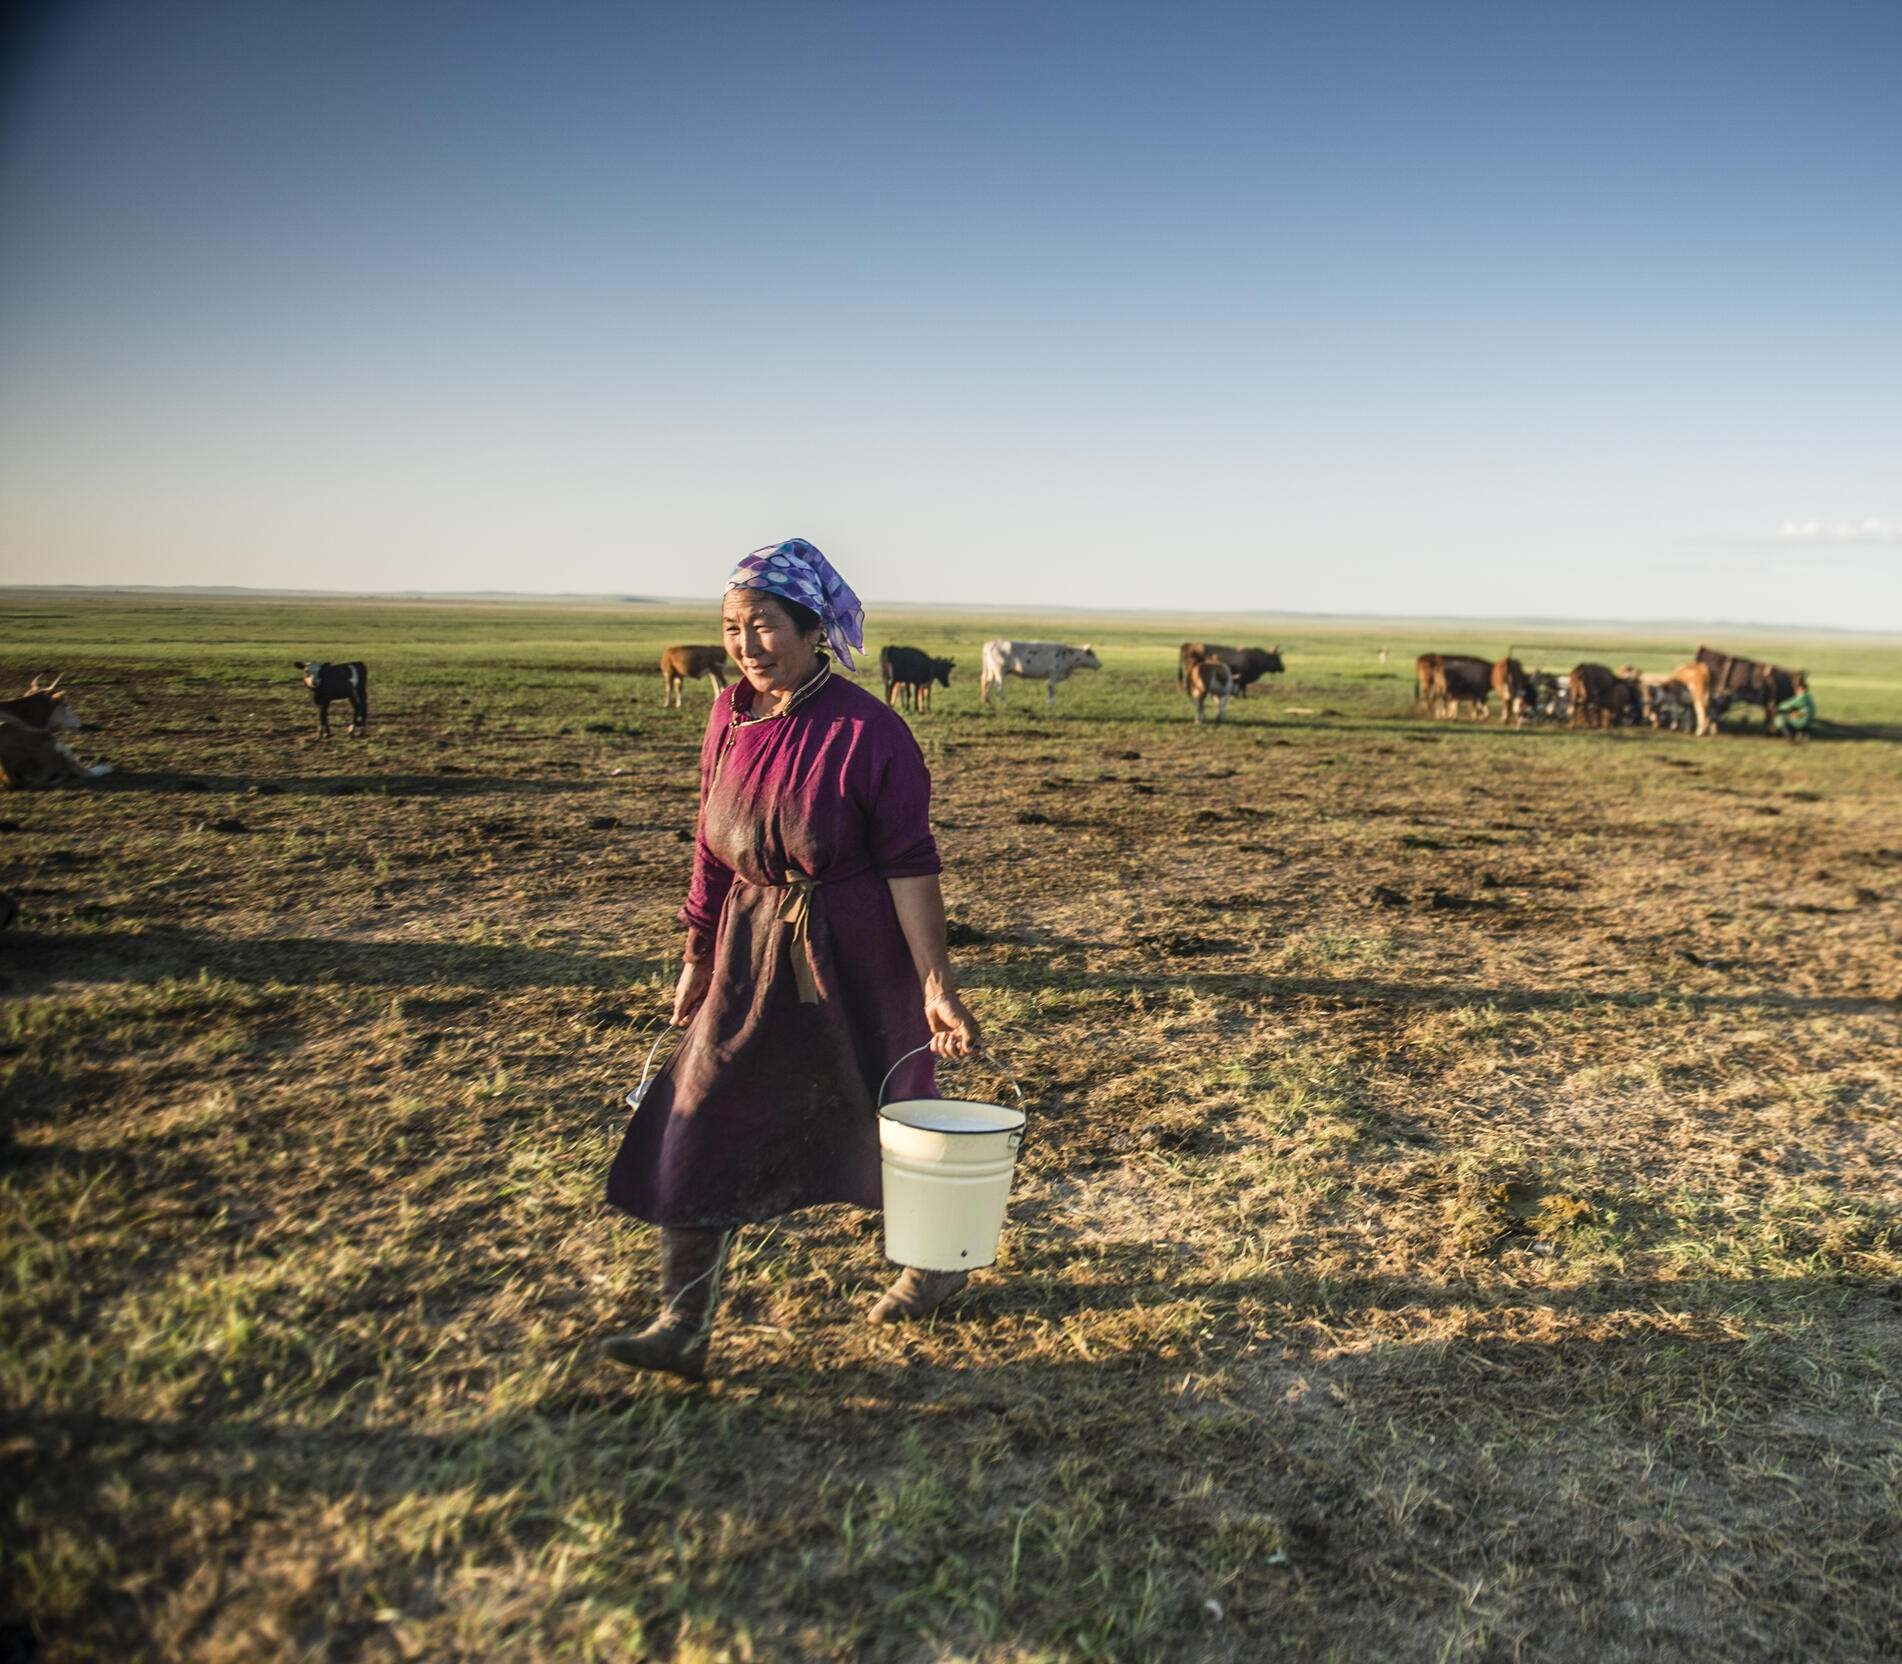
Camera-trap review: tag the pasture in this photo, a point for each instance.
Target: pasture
(1461, 1218)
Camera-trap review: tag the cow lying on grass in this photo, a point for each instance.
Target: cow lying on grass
(679, 665)
(908, 675)
(33, 753)
(1050, 660)
(328, 682)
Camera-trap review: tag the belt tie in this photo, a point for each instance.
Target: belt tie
(796, 913)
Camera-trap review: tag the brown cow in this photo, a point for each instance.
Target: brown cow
(1247, 664)
(33, 757)
(1211, 679)
(1514, 688)
(1695, 680)
(44, 708)
(1753, 680)
(1601, 698)
(1449, 680)
(678, 664)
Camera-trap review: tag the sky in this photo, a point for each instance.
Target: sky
(1541, 310)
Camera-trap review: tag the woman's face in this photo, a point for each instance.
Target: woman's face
(768, 647)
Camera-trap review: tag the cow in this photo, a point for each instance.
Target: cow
(1211, 679)
(1051, 660)
(908, 675)
(1694, 682)
(1445, 681)
(1753, 680)
(1601, 698)
(46, 708)
(1514, 687)
(33, 757)
(1551, 699)
(1247, 664)
(679, 665)
(328, 682)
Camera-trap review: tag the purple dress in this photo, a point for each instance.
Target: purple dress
(768, 1104)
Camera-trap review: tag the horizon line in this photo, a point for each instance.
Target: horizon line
(607, 598)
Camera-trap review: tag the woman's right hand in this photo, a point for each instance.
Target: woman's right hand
(696, 977)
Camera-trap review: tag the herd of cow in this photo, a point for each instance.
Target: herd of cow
(34, 750)
(1690, 698)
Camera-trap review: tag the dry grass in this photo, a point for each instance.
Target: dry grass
(1462, 1218)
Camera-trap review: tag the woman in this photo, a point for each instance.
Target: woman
(815, 957)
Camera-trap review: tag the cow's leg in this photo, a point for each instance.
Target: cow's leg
(323, 719)
(1050, 694)
(719, 683)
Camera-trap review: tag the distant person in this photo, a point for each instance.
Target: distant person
(815, 957)
(1797, 714)
(1383, 655)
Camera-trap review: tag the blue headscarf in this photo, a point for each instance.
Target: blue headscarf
(795, 571)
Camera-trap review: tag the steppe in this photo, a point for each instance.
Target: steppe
(1461, 1217)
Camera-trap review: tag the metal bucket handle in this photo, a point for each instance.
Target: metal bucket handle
(639, 1092)
(1010, 1080)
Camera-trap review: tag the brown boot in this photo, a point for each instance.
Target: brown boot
(917, 1294)
(692, 1259)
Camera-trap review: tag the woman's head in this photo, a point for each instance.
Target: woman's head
(799, 577)
(776, 642)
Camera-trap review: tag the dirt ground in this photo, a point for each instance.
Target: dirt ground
(1460, 1220)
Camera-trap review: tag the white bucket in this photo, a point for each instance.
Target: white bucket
(946, 1164)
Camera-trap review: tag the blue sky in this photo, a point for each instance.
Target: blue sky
(1567, 311)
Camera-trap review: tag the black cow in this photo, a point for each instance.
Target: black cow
(908, 674)
(338, 681)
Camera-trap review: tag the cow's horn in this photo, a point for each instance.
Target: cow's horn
(54, 683)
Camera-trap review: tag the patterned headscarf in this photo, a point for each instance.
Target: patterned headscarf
(795, 571)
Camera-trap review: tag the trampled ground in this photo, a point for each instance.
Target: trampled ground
(1461, 1218)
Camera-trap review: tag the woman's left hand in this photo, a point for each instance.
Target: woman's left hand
(954, 1031)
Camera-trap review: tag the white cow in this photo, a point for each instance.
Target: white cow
(1048, 659)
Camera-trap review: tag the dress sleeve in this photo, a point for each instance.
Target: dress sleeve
(712, 877)
(900, 835)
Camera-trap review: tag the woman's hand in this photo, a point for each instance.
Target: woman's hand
(696, 977)
(954, 1031)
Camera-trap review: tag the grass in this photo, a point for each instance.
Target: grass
(1461, 1218)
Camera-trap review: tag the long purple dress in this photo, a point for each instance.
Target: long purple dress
(768, 1104)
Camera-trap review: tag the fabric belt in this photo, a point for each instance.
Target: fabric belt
(795, 912)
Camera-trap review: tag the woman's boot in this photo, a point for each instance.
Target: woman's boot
(692, 1259)
(917, 1294)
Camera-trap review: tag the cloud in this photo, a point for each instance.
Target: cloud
(1872, 530)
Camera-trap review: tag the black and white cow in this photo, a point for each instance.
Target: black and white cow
(1049, 660)
(338, 681)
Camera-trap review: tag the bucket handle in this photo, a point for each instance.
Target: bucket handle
(1010, 1080)
(639, 1092)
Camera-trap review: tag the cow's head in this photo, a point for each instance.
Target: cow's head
(1275, 666)
(1086, 658)
(312, 669)
(61, 718)
(941, 671)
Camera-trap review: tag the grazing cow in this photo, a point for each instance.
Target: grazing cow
(1514, 687)
(1247, 664)
(1601, 698)
(1051, 660)
(908, 675)
(328, 682)
(1211, 678)
(679, 665)
(45, 708)
(1753, 680)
